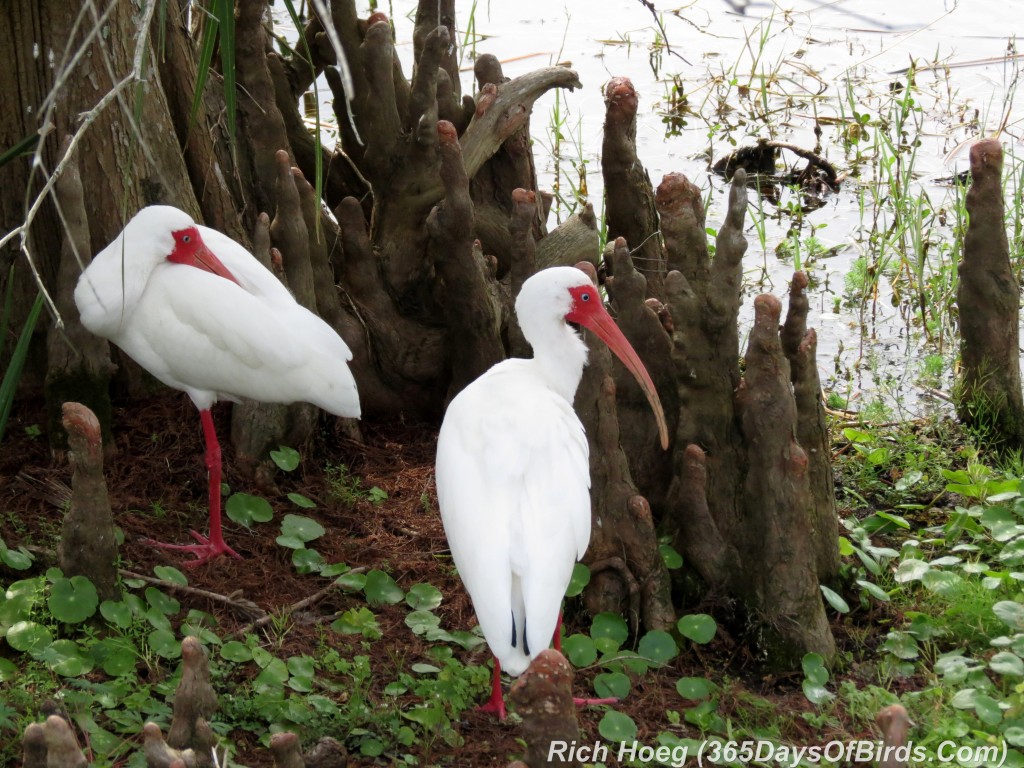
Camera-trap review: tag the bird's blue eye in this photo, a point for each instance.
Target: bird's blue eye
(585, 297)
(186, 239)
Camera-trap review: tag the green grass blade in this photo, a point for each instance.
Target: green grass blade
(13, 372)
(24, 147)
(162, 27)
(207, 46)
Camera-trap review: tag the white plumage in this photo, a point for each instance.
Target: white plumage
(206, 335)
(200, 313)
(513, 473)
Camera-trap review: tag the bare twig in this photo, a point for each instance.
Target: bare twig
(664, 35)
(301, 604)
(241, 604)
(88, 118)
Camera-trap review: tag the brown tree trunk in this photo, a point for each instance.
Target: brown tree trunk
(51, 103)
(988, 393)
(78, 364)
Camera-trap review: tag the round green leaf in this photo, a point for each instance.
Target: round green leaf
(162, 602)
(302, 528)
(117, 613)
(911, 569)
(578, 582)
(988, 709)
(420, 622)
(171, 574)
(21, 597)
(29, 637)
(1011, 613)
(1007, 664)
(335, 569)
(381, 589)
(356, 621)
(816, 694)
(304, 666)
(964, 698)
(609, 626)
(66, 659)
(423, 597)
(285, 458)
(698, 627)
(814, 668)
(579, 650)
(694, 688)
(16, 559)
(657, 646)
(1014, 734)
(73, 600)
(8, 671)
(307, 560)
(300, 683)
(902, 645)
(164, 644)
(116, 656)
(617, 726)
(246, 509)
(235, 651)
(670, 556)
(351, 582)
(301, 501)
(611, 684)
(273, 676)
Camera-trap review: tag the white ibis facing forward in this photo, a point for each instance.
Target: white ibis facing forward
(513, 473)
(200, 313)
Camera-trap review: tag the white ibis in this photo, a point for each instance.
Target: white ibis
(513, 473)
(200, 313)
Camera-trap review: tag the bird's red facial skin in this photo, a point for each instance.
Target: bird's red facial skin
(585, 300)
(588, 310)
(190, 250)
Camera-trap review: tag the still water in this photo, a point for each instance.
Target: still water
(713, 74)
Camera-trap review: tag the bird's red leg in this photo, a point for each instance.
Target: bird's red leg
(557, 641)
(214, 546)
(496, 703)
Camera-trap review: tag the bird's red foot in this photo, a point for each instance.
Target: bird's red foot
(495, 706)
(588, 702)
(205, 551)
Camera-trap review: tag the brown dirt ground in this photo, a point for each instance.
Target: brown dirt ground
(158, 460)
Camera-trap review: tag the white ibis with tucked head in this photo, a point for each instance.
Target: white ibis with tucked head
(513, 473)
(200, 313)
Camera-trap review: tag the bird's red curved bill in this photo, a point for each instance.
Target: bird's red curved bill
(600, 322)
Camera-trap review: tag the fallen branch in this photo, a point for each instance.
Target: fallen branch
(241, 604)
